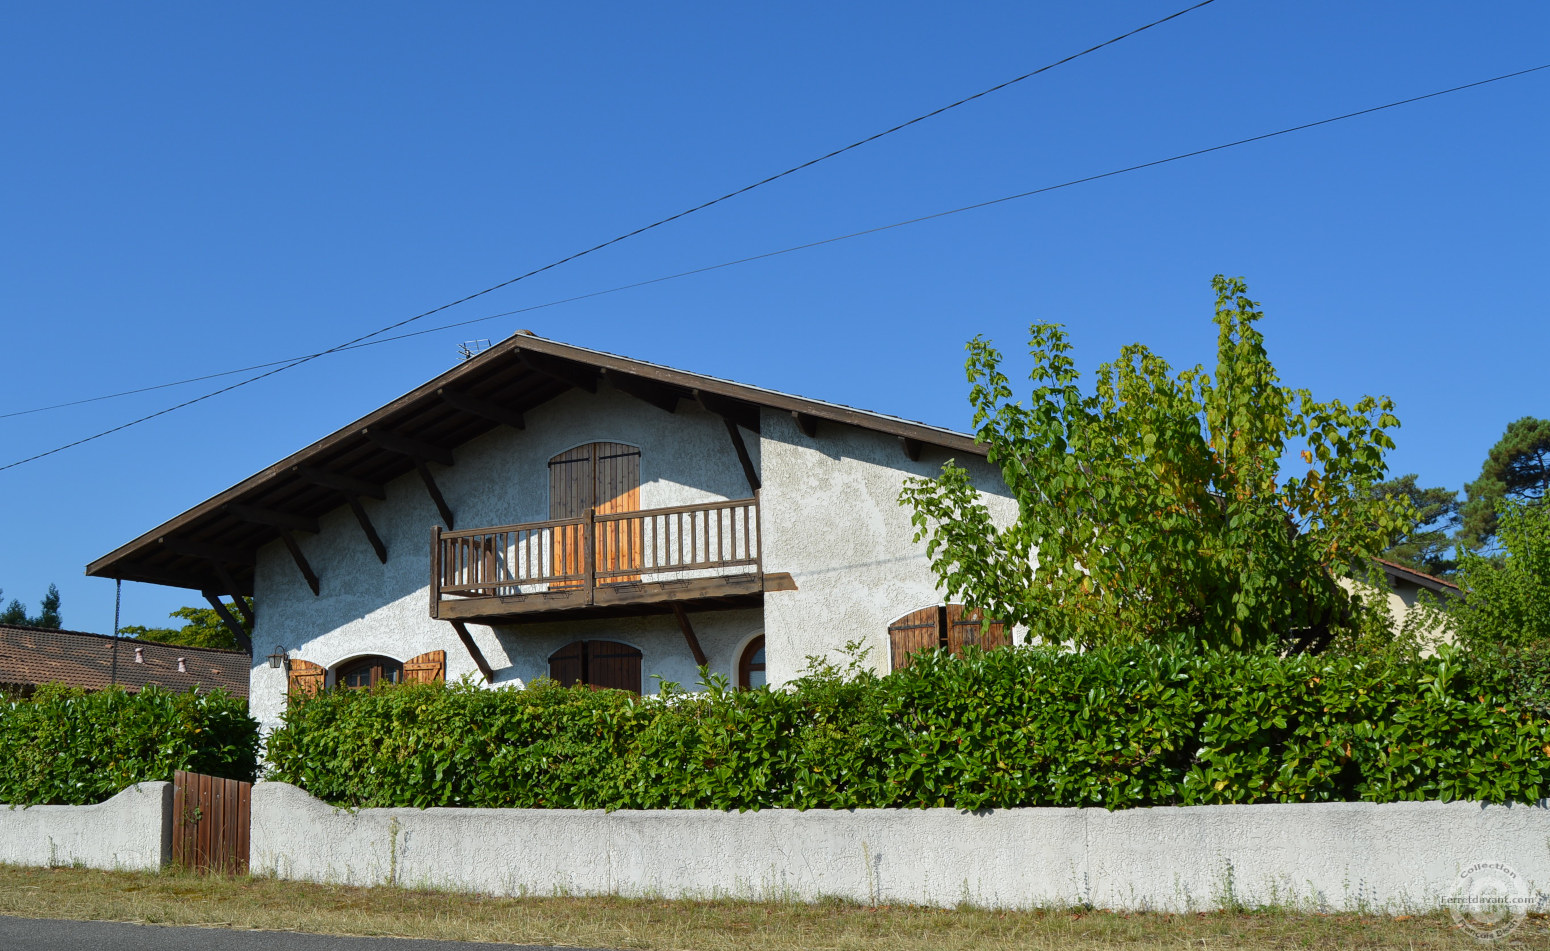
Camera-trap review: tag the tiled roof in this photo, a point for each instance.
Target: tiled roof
(1394, 569)
(30, 655)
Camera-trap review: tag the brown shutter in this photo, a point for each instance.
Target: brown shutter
(567, 666)
(616, 487)
(427, 668)
(613, 665)
(918, 630)
(965, 627)
(306, 678)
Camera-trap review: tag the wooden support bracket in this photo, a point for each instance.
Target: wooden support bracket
(273, 518)
(484, 409)
(688, 629)
(912, 448)
(409, 446)
(742, 454)
(571, 374)
(300, 559)
(232, 625)
(659, 395)
(434, 490)
(744, 414)
(367, 527)
(340, 482)
(473, 650)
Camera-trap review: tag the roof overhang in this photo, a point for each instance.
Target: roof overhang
(213, 546)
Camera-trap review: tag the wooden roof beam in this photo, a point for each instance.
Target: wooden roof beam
(743, 414)
(409, 446)
(338, 481)
(571, 374)
(912, 448)
(273, 518)
(484, 409)
(219, 554)
(808, 424)
(661, 396)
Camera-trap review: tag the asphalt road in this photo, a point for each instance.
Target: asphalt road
(46, 934)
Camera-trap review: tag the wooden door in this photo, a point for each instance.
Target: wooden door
(598, 664)
(918, 630)
(604, 476)
(965, 627)
(211, 818)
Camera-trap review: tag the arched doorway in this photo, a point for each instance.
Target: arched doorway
(949, 627)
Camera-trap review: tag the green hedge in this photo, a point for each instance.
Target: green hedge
(66, 746)
(1017, 727)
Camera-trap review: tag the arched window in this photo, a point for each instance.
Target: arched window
(368, 672)
(750, 666)
(599, 664)
(949, 627)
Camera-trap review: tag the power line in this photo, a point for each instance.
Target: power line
(655, 224)
(284, 365)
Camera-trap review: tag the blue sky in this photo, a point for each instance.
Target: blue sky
(194, 187)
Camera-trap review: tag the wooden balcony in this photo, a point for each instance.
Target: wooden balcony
(645, 562)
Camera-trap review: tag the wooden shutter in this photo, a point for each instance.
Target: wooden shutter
(570, 496)
(306, 678)
(427, 668)
(965, 627)
(918, 630)
(616, 489)
(567, 665)
(613, 665)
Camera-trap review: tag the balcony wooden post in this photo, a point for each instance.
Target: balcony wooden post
(589, 543)
(435, 571)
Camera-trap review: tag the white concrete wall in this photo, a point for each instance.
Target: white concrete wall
(133, 830)
(1394, 857)
(501, 478)
(832, 518)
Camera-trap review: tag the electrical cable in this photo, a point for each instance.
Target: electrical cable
(800, 247)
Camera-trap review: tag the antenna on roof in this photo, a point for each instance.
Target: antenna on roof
(469, 349)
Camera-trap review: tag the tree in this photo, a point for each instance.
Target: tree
(1517, 468)
(204, 629)
(1506, 600)
(15, 613)
(1155, 508)
(1429, 546)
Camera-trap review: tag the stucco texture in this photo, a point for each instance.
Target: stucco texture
(501, 478)
(133, 830)
(833, 520)
(1392, 857)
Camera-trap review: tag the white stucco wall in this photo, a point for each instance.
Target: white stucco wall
(1395, 857)
(133, 830)
(501, 478)
(833, 520)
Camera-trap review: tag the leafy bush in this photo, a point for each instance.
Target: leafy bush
(1507, 598)
(1118, 727)
(69, 747)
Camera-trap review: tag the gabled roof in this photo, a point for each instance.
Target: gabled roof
(213, 546)
(1396, 571)
(32, 655)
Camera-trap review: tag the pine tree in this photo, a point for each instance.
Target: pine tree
(1517, 469)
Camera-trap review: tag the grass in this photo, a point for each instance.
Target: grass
(175, 898)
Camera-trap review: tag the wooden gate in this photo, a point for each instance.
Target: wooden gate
(210, 819)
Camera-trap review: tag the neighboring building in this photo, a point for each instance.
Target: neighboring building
(543, 509)
(1406, 584)
(30, 656)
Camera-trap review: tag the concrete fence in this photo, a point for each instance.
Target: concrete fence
(133, 830)
(1392, 857)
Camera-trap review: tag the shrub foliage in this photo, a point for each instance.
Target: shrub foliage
(1117, 727)
(68, 747)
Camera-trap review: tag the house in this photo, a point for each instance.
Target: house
(543, 509)
(31, 656)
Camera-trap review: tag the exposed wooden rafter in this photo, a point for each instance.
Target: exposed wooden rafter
(743, 414)
(273, 518)
(571, 374)
(409, 446)
(300, 559)
(661, 396)
(232, 624)
(340, 482)
(484, 409)
(473, 650)
(688, 630)
(216, 553)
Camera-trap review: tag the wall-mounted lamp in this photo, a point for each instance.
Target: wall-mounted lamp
(278, 659)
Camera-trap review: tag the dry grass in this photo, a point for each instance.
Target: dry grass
(174, 898)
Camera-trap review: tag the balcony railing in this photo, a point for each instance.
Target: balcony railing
(574, 562)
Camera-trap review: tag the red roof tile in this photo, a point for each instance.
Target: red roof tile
(30, 655)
